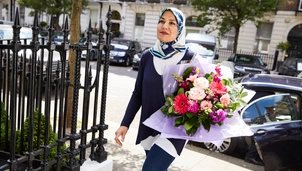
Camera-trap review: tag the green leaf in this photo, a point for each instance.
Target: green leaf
(170, 110)
(190, 114)
(180, 91)
(206, 124)
(177, 77)
(187, 72)
(190, 123)
(178, 121)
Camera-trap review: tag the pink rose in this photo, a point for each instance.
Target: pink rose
(225, 100)
(205, 105)
(192, 78)
(196, 94)
(201, 82)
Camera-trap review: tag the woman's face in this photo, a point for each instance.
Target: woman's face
(167, 29)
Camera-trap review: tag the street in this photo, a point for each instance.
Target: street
(121, 82)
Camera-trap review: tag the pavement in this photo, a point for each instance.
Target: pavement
(130, 157)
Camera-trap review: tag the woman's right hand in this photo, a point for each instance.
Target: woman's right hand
(120, 135)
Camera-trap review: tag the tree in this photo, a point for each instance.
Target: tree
(225, 15)
(51, 7)
(74, 37)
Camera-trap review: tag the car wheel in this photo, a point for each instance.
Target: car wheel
(127, 62)
(227, 146)
(92, 55)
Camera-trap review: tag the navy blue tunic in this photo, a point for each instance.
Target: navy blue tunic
(148, 94)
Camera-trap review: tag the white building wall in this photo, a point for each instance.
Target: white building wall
(246, 38)
(150, 29)
(129, 24)
(283, 21)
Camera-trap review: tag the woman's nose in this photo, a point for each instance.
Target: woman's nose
(165, 25)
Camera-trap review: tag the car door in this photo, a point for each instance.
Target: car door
(276, 124)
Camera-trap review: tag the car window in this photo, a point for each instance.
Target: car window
(118, 46)
(249, 59)
(203, 50)
(121, 42)
(271, 109)
(138, 47)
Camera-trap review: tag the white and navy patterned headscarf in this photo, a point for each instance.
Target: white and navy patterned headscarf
(166, 50)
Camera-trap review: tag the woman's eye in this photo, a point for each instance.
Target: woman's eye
(172, 23)
(161, 21)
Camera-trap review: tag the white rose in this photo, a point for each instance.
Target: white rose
(196, 93)
(201, 83)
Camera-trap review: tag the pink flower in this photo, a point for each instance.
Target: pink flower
(201, 83)
(218, 70)
(225, 100)
(196, 94)
(221, 114)
(184, 85)
(181, 104)
(218, 88)
(193, 106)
(192, 77)
(218, 116)
(205, 105)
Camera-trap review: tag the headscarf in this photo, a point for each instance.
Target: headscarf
(166, 50)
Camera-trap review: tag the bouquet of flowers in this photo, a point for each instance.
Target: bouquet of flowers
(202, 99)
(201, 104)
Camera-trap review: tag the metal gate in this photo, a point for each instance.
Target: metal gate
(34, 100)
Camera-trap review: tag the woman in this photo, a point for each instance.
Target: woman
(148, 92)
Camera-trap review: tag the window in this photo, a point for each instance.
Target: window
(263, 38)
(227, 40)
(275, 108)
(192, 21)
(139, 26)
(94, 18)
(140, 19)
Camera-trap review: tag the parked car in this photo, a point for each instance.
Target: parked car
(203, 44)
(274, 115)
(6, 34)
(124, 51)
(248, 64)
(291, 67)
(137, 59)
(93, 52)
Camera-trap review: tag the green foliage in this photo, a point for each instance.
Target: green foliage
(43, 24)
(283, 46)
(41, 131)
(51, 7)
(225, 15)
(3, 127)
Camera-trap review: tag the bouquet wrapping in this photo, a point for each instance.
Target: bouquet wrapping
(172, 121)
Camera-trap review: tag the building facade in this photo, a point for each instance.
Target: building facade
(137, 20)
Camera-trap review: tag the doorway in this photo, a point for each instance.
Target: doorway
(295, 39)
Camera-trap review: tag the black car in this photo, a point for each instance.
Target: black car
(245, 64)
(291, 67)
(124, 51)
(137, 59)
(94, 52)
(274, 115)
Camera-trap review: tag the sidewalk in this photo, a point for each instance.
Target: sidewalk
(130, 157)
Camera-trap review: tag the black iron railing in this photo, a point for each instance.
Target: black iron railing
(224, 55)
(34, 99)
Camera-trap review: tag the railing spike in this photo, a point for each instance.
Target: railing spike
(17, 18)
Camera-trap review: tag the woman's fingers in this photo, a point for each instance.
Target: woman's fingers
(120, 135)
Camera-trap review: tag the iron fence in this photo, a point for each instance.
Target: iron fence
(224, 55)
(36, 94)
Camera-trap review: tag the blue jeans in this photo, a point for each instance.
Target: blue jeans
(157, 159)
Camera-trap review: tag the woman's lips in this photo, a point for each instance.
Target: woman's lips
(164, 33)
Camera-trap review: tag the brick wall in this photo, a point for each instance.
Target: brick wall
(289, 5)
